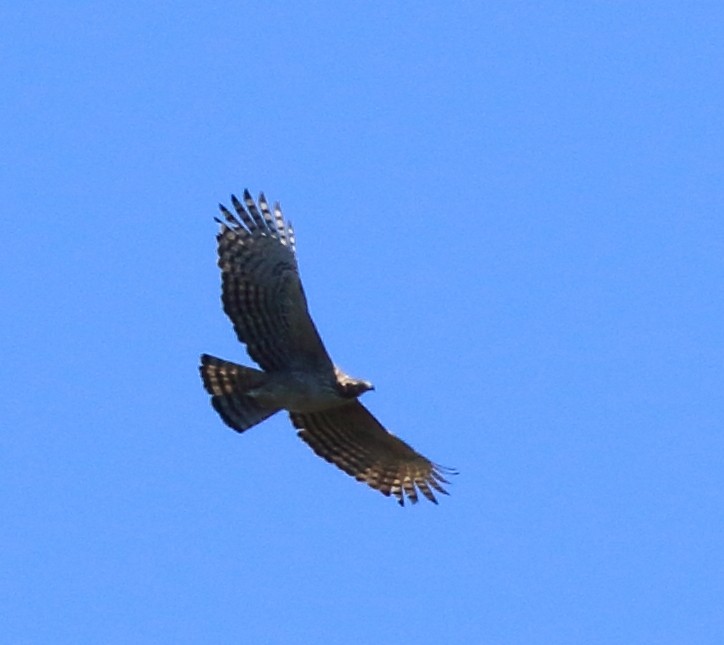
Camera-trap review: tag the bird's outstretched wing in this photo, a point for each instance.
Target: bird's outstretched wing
(352, 439)
(261, 289)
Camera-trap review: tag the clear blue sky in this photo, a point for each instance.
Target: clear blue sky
(510, 217)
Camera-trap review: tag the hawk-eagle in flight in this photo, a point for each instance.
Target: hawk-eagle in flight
(262, 295)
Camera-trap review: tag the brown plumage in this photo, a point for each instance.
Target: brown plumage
(262, 295)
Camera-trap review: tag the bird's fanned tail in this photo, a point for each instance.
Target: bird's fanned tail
(227, 382)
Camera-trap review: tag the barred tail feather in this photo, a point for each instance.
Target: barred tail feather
(226, 382)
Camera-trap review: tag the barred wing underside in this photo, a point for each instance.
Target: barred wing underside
(352, 439)
(261, 289)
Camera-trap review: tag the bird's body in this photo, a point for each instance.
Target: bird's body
(263, 296)
(297, 392)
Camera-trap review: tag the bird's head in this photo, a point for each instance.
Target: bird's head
(358, 387)
(351, 387)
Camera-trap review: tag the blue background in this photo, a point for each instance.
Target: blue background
(509, 217)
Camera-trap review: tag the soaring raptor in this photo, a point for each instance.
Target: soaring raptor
(262, 295)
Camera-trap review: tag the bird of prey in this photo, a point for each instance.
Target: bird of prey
(262, 295)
